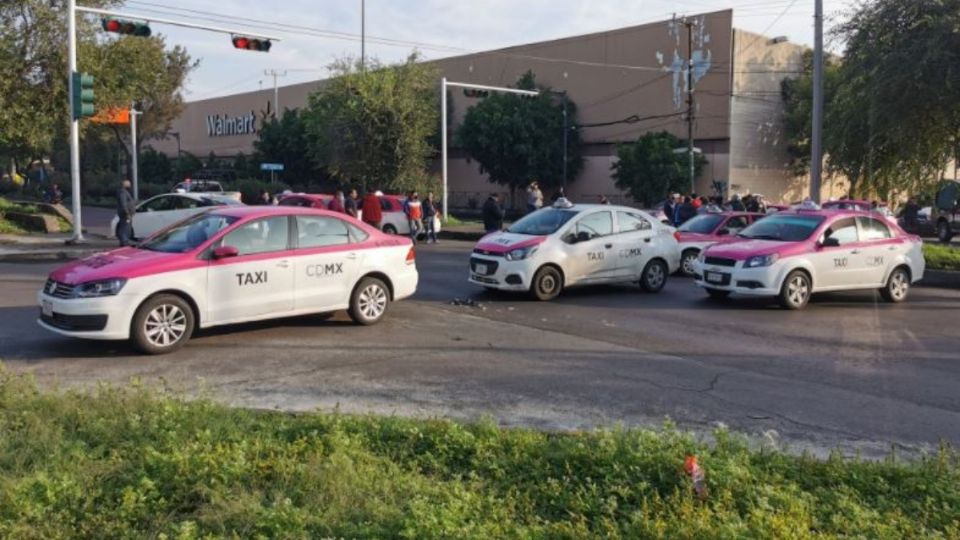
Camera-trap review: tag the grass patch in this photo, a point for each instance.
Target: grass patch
(129, 463)
(941, 257)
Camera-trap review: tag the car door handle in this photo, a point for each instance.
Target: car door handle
(855, 252)
(608, 246)
(351, 256)
(646, 240)
(283, 264)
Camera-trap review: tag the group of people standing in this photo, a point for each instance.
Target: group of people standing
(681, 208)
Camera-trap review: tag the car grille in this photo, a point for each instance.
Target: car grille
(488, 253)
(76, 323)
(58, 289)
(491, 266)
(720, 261)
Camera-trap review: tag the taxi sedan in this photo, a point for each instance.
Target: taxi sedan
(793, 254)
(567, 244)
(229, 265)
(709, 228)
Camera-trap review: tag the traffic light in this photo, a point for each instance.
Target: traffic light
(251, 44)
(82, 95)
(129, 28)
(474, 93)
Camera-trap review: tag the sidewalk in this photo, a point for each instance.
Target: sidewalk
(49, 247)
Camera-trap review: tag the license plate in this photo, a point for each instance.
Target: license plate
(714, 277)
(46, 307)
(481, 269)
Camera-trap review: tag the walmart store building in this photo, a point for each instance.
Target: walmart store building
(612, 75)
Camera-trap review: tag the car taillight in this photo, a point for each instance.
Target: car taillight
(411, 256)
(676, 234)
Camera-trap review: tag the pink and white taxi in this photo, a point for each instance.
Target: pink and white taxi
(709, 228)
(229, 265)
(576, 244)
(795, 253)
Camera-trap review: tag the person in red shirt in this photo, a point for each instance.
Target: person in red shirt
(336, 203)
(371, 210)
(697, 203)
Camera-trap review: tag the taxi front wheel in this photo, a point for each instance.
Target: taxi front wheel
(547, 283)
(796, 289)
(162, 324)
(369, 301)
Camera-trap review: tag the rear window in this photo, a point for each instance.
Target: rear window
(704, 224)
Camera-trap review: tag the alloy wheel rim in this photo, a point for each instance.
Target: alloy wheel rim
(798, 290)
(165, 325)
(899, 285)
(688, 264)
(373, 302)
(655, 275)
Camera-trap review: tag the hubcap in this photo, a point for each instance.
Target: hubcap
(373, 302)
(899, 285)
(655, 275)
(165, 325)
(798, 290)
(547, 283)
(688, 264)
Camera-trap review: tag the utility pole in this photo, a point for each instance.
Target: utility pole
(816, 139)
(276, 89)
(75, 195)
(134, 153)
(363, 35)
(690, 105)
(565, 132)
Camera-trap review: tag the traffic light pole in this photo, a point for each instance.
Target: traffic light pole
(74, 126)
(134, 154)
(444, 83)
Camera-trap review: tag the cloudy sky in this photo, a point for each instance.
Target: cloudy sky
(316, 32)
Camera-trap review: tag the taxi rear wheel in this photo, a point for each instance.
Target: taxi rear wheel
(898, 285)
(162, 324)
(389, 229)
(654, 276)
(686, 262)
(796, 289)
(547, 283)
(369, 301)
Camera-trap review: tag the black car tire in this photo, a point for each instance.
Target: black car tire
(943, 232)
(897, 287)
(162, 324)
(389, 229)
(547, 284)
(654, 276)
(687, 259)
(369, 301)
(796, 290)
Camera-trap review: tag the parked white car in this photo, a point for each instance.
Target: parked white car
(576, 244)
(163, 210)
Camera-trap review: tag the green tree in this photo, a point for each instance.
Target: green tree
(648, 168)
(155, 167)
(797, 94)
(373, 127)
(285, 141)
(517, 139)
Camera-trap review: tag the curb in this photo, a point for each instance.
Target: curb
(46, 256)
(940, 278)
(469, 236)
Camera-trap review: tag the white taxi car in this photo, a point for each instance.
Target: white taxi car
(795, 253)
(576, 244)
(230, 265)
(166, 209)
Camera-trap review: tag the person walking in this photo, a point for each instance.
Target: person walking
(430, 218)
(413, 209)
(911, 216)
(126, 207)
(492, 214)
(336, 203)
(264, 198)
(534, 197)
(602, 199)
(350, 204)
(372, 211)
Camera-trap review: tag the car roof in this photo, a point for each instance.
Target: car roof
(267, 211)
(829, 212)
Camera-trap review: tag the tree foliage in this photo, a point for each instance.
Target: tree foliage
(648, 168)
(892, 107)
(373, 127)
(517, 139)
(285, 141)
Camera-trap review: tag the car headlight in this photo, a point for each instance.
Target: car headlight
(520, 254)
(760, 261)
(94, 289)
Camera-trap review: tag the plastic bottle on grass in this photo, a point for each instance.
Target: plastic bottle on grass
(697, 476)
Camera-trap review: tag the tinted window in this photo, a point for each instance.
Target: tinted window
(627, 222)
(874, 229)
(736, 224)
(597, 224)
(294, 201)
(260, 236)
(316, 231)
(702, 224)
(188, 235)
(356, 233)
(844, 231)
(542, 222)
(783, 227)
(159, 204)
(185, 203)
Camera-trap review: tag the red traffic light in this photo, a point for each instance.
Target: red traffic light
(129, 28)
(111, 25)
(251, 44)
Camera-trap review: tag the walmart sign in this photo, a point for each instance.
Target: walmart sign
(221, 125)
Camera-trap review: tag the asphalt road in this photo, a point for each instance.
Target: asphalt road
(849, 371)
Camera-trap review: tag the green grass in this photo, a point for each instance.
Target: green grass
(941, 257)
(129, 463)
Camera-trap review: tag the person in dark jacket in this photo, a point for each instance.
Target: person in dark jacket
(492, 214)
(350, 204)
(736, 204)
(430, 218)
(372, 211)
(911, 216)
(686, 211)
(126, 207)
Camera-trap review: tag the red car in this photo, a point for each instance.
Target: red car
(709, 228)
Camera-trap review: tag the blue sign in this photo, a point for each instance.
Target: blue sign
(271, 166)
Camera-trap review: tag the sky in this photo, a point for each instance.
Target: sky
(314, 33)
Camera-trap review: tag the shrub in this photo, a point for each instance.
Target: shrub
(250, 189)
(940, 257)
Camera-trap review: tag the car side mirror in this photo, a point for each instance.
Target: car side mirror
(225, 252)
(830, 242)
(570, 238)
(583, 236)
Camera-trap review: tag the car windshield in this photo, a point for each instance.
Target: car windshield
(704, 224)
(784, 228)
(187, 235)
(543, 222)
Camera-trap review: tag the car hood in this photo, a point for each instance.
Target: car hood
(123, 263)
(502, 242)
(743, 249)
